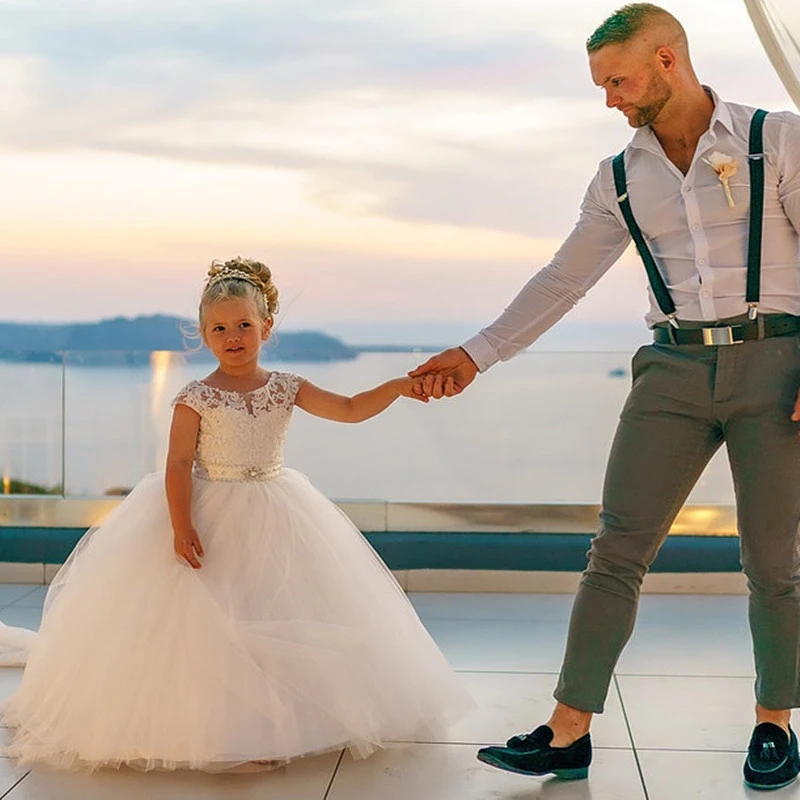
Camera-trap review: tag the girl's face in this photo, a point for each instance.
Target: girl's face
(234, 331)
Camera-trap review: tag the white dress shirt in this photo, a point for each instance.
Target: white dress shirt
(697, 240)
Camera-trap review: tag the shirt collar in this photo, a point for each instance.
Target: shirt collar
(645, 139)
(722, 112)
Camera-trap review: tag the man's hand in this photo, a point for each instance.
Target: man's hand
(446, 374)
(796, 413)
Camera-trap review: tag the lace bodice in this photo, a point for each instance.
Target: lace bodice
(242, 434)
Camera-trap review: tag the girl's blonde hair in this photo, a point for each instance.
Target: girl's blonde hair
(240, 278)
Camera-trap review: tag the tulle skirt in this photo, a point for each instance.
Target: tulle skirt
(292, 639)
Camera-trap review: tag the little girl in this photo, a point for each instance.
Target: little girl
(226, 613)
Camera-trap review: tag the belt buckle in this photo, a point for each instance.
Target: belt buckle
(719, 336)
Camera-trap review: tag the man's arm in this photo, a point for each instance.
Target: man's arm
(788, 160)
(596, 242)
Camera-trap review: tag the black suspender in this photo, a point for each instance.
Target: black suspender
(756, 162)
(755, 159)
(657, 284)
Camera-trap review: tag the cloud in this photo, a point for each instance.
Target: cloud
(445, 111)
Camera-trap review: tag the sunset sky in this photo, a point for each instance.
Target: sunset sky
(395, 161)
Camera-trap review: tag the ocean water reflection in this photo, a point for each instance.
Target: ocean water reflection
(534, 430)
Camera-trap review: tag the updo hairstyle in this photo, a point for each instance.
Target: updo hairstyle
(240, 278)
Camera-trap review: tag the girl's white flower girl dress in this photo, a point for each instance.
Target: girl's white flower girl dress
(293, 638)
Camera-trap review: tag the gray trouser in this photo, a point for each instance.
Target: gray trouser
(685, 401)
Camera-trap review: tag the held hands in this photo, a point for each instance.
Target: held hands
(407, 387)
(188, 548)
(444, 375)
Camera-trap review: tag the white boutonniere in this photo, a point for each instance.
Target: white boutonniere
(725, 167)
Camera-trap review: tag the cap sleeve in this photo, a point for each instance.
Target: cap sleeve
(289, 384)
(189, 396)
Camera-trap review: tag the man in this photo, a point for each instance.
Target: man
(725, 367)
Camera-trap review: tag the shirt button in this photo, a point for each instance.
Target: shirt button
(695, 226)
(705, 293)
(701, 261)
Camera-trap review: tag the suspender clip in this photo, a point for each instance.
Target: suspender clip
(622, 198)
(752, 311)
(673, 319)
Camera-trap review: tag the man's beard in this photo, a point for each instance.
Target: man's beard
(658, 95)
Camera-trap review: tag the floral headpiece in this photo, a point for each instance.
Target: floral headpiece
(232, 273)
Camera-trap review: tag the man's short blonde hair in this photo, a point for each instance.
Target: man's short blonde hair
(628, 21)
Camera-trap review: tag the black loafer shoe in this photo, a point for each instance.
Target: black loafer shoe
(772, 757)
(531, 754)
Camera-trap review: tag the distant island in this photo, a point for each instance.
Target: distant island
(130, 341)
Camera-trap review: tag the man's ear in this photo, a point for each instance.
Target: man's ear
(667, 58)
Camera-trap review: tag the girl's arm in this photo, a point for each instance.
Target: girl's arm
(178, 481)
(362, 406)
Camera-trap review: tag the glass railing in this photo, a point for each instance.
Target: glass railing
(534, 430)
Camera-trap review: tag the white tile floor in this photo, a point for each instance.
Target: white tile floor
(676, 725)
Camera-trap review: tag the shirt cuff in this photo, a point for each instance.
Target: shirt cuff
(481, 352)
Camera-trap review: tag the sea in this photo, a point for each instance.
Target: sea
(535, 429)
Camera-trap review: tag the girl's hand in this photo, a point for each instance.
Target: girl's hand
(188, 548)
(412, 388)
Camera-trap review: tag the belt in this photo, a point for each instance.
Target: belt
(762, 328)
